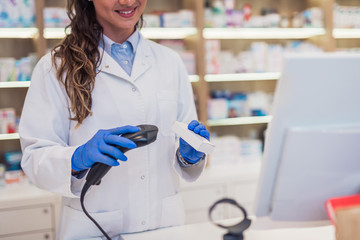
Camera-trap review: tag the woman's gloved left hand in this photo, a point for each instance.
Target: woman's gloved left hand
(187, 151)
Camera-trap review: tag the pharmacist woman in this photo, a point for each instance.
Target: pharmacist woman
(100, 82)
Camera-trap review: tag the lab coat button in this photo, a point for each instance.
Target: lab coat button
(126, 62)
(143, 222)
(143, 177)
(107, 66)
(134, 89)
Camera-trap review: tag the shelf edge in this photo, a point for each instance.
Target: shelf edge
(242, 77)
(18, 84)
(239, 121)
(9, 136)
(21, 33)
(262, 33)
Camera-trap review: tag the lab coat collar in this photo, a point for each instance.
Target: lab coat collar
(133, 40)
(142, 62)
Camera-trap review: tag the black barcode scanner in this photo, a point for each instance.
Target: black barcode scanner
(146, 135)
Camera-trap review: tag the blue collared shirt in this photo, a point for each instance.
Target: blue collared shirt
(123, 54)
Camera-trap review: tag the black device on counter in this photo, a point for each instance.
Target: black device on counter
(146, 135)
(235, 232)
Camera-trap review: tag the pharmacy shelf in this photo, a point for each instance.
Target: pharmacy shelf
(238, 121)
(20, 84)
(18, 32)
(242, 77)
(9, 136)
(55, 33)
(168, 33)
(151, 33)
(262, 33)
(344, 33)
(194, 78)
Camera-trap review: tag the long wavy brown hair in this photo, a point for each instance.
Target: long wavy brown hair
(77, 57)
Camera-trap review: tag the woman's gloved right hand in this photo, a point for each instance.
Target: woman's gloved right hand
(102, 148)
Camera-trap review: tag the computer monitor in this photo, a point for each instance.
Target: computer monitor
(312, 145)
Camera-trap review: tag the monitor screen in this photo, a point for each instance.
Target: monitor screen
(312, 145)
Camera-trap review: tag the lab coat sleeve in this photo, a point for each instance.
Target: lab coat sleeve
(186, 113)
(44, 132)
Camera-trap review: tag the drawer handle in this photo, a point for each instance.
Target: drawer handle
(46, 211)
(46, 236)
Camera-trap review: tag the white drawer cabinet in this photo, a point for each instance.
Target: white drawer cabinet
(202, 197)
(197, 201)
(243, 193)
(238, 183)
(28, 213)
(201, 215)
(31, 236)
(26, 219)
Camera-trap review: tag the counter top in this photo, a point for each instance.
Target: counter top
(25, 194)
(208, 231)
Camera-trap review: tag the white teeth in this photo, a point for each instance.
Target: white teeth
(126, 12)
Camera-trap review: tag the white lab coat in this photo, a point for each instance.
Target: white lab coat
(141, 193)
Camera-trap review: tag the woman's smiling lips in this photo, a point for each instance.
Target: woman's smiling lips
(126, 13)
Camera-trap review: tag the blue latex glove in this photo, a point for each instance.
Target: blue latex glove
(102, 148)
(187, 151)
